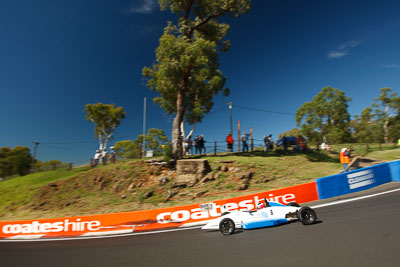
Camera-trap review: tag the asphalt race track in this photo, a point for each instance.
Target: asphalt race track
(360, 233)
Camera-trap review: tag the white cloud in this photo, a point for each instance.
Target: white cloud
(337, 54)
(349, 44)
(147, 7)
(343, 49)
(391, 66)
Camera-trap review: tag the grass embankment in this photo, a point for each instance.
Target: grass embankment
(18, 192)
(135, 185)
(388, 155)
(376, 151)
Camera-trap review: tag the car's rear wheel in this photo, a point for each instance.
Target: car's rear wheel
(293, 204)
(306, 215)
(227, 226)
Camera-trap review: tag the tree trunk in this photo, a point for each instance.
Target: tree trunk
(105, 143)
(386, 131)
(183, 130)
(191, 131)
(101, 142)
(176, 128)
(177, 148)
(108, 138)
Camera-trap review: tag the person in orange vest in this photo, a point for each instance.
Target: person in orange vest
(345, 158)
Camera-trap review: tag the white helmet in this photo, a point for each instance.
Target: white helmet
(260, 205)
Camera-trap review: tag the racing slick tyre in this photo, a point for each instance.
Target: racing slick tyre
(293, 204)
(227, 226)
(306, 215)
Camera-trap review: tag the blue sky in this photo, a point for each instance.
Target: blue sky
(57, 56)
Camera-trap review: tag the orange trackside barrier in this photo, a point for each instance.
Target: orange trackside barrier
(147, 220)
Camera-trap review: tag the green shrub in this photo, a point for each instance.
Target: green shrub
(168, 152)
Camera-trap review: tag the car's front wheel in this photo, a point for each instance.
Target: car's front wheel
(227, 226)
(306, 215)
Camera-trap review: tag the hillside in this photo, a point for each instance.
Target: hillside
(137, 185)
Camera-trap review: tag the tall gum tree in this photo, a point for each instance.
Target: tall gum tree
(326, 118)
(366, 129)
(186, 73)
(106, 117)
(386, 107)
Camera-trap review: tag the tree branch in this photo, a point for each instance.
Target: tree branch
(188, 8)
(207, 19)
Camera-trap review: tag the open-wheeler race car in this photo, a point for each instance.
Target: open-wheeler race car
(267, 214)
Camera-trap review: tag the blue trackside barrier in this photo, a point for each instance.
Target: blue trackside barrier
(355, 181)
(395, 170)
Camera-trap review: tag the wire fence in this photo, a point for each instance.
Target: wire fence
(215, 147)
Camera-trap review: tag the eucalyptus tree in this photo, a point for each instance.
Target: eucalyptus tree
(127, 149)
(366, 129)
(387, 111)
(15, 161)
(106, 117)
(326, 118)
(185, 72)
(155, 140)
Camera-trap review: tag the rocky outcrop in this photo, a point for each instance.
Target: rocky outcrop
(190, 171)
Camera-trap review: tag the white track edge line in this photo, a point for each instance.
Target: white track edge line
(353, 199)
(25, 237)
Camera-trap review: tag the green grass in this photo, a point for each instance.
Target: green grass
(18, 191)
(393, 154)
(281, 169)
(366, 149)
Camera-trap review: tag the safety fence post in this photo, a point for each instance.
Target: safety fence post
(215, 148)
(251, 139)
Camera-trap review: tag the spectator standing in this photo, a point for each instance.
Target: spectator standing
(266, 143)
(196, 144)
(284, 143)
(201, 142)
(271, 142)
(189, 145)
(112, 154)
(96, 157)
(186, 147)
(229, 142)
(345, 158)
(244, 139)
(104, 156)
(299, 142)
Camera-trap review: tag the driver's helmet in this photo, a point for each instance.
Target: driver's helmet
(260, 205)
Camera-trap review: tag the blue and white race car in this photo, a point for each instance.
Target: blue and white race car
(267, 214)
